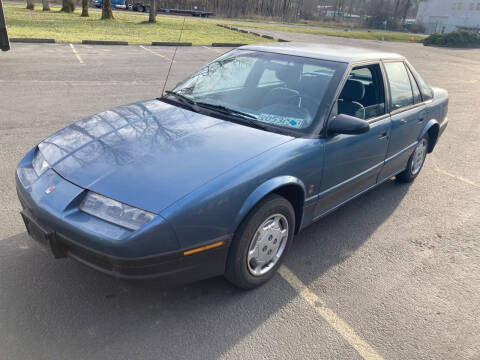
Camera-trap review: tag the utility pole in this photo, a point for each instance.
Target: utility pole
(4, 44)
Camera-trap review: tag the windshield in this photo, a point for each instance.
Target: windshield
(266, 88)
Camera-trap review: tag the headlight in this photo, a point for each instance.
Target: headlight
(115, 212)
(39, 164)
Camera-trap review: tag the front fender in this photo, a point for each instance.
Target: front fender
(263, 190)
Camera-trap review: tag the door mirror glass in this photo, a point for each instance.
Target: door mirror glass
(346, 124)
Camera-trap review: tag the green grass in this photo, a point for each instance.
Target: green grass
(357, 34)
(22, 23)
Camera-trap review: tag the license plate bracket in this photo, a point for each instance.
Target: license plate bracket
(41, 234)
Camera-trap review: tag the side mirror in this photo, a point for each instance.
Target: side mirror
(346, 124)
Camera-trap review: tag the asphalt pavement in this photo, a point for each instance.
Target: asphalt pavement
(394, 274)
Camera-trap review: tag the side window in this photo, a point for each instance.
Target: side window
(270, 74)
(417, 97)
(363, 95)
(424, 88)
(269, 77)
(400, 87)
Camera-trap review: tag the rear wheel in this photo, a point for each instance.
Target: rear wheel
(415, 162)
(261, 242)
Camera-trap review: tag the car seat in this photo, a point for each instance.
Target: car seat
(349, 101)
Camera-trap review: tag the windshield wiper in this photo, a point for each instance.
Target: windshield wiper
(226, 110)
(251, 119)
(181, 97)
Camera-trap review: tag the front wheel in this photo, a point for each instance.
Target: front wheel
(415, 162)
(261, 242)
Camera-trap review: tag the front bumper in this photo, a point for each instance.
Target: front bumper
(53, 219)
(170, 267)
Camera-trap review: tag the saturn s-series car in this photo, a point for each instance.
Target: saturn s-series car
(217, 176)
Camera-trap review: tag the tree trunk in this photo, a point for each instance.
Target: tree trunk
(405, 10)
(30, 5)
(107, 10)
(46, 6)
(68, 6)
(152, 17)
(84, 8)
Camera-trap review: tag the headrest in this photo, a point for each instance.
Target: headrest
(289, 74)
(353, 90)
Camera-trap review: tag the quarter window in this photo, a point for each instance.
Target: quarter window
(417, 97)
(400, 87)
(427, 93)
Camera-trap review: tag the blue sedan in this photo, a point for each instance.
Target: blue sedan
(218, 175)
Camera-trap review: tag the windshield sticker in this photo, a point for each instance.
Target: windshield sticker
(296, 123)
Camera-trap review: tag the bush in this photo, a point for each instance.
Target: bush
(459, 38)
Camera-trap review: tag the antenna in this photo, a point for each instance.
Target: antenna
(173, 57)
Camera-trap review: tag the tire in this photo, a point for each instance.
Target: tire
(415, 162)
(276, 216)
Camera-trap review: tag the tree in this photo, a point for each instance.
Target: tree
(152, 17)
(107, 10)
(408, 4)
(68, 6)
(30, 5)
(84, 8)
(46, 6)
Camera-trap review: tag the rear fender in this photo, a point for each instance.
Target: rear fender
(435, 127)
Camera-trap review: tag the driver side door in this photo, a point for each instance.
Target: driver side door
(353, 162)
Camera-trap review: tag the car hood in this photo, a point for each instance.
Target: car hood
(150, 154)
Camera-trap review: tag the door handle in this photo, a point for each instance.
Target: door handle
(382, 134)
(403, 121)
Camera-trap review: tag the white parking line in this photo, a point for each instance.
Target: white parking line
(80, 60)
(345, 330)
(457, 177)
(155, 53)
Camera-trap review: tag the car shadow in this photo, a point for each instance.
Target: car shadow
(60, 309)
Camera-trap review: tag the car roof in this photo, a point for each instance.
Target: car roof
(338, 53)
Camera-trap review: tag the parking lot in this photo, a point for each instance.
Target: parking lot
(394, 274)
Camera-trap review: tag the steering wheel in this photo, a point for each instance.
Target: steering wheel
(281, 95)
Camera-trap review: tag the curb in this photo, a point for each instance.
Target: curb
(170, 43)
(103, 42)
(32, 40)
(248, 32)
(227, 45)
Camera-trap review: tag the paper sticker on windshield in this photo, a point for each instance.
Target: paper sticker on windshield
(285, 121)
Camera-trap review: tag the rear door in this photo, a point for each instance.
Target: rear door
(353, 162)
(408, 116)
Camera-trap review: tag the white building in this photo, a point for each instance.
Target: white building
(449, 15)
